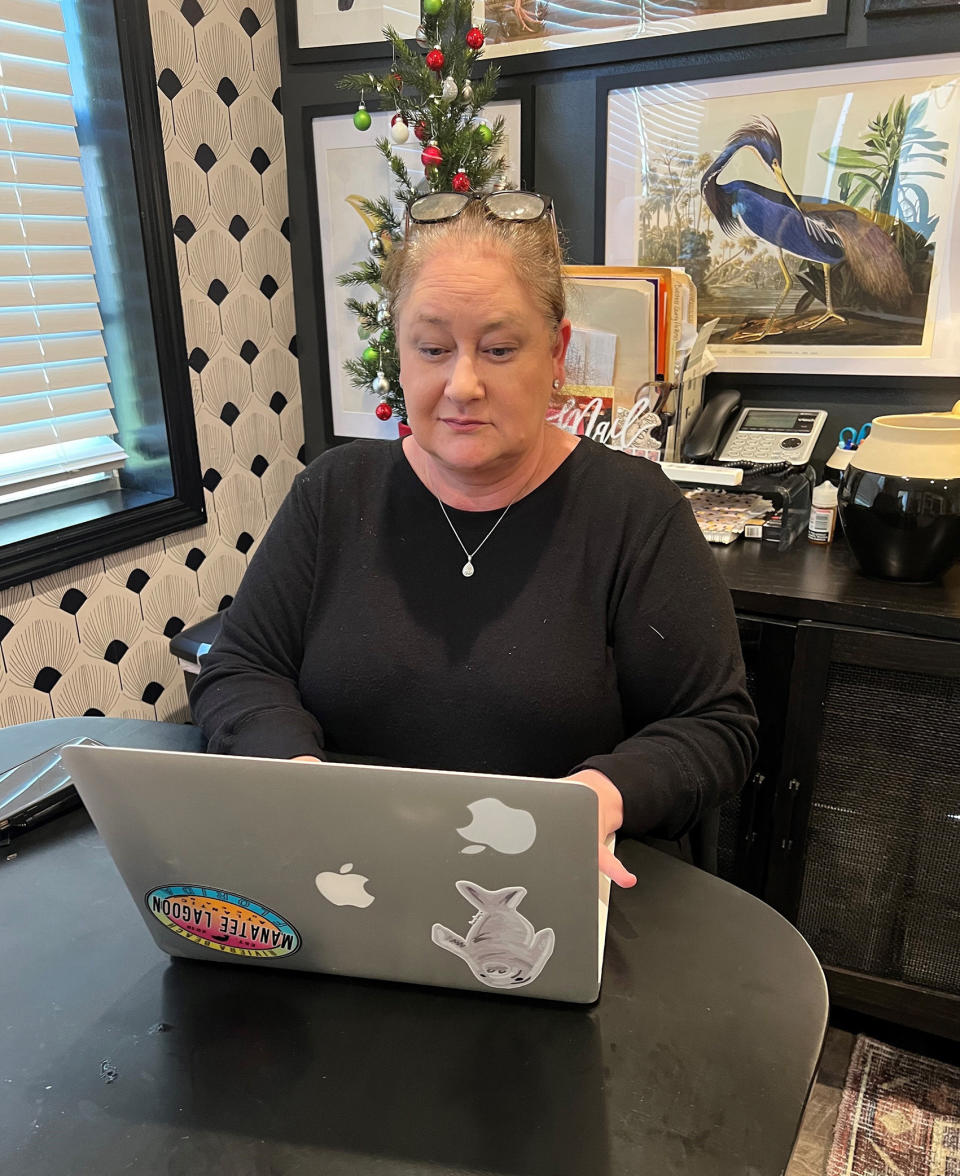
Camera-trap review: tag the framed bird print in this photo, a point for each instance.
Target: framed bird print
(816, 211)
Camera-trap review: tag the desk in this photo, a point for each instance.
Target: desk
(812, 582)
(696, 1060)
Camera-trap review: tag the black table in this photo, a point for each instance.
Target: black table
(696, 1060)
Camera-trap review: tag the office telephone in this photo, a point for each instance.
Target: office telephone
(727, 433)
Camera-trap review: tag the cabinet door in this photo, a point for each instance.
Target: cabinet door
(745, 822)
(866, 849)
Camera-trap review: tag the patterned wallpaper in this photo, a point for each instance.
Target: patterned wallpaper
(94, 639)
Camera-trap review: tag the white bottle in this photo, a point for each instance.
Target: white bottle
(823, 513)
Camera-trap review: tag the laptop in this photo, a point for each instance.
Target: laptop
(459, 880)
(36, 790)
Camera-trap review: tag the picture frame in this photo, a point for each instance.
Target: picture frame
(322, 30)
(822, 116)
(341, 158)
(522, 37)
(346, 30)
(911, 7)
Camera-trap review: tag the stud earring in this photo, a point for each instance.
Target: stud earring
(556, 385)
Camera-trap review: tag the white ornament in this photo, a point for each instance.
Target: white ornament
(466, 92)
(422, 39)
(399, 132)
(448, 91)
(380, 385)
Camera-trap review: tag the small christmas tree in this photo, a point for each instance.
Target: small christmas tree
(433, 98)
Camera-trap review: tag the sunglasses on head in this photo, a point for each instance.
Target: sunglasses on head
(436, 207)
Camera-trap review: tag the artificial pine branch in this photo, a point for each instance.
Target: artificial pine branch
(365, 311)
(367, 273)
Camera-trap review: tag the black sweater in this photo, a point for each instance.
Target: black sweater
(596, 632)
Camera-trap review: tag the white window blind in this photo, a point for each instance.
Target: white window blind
(56, 423)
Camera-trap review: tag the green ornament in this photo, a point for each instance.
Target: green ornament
(362, 119)
(370, 355)
(432, 7)
(484, 134)
(364, 332)
(386, 339)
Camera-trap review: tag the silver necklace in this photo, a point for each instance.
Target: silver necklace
(468, 568)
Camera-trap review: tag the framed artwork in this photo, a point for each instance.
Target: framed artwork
(816, 211)
(346, 30)
(597, 31)
(347, 164)
(525, 34)
(899, 7)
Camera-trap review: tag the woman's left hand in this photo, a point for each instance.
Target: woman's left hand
(611, 818)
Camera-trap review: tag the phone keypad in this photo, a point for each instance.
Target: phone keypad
(761, 448)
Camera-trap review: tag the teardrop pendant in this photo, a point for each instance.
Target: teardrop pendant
(467, 569)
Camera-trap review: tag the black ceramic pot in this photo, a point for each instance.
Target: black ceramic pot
(901, 528)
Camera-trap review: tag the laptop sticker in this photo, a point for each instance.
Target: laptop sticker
(222, 921)
(501, 947)
(344, 888)
(505, 829)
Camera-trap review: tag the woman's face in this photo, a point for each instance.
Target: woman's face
(478, 359)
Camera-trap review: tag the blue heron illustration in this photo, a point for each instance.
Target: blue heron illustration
(828, 233)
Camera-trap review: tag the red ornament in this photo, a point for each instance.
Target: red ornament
(420, 130)
(384, 411)
(398, 79)
(435, 57)
(461, 181)
(431, 156)
(474, 39)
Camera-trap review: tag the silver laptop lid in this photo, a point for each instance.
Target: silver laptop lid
(487, 883)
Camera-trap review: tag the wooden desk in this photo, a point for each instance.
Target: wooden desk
(823, 583)
(696, 1059)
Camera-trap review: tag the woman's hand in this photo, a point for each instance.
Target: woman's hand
(611, 818)
(306, 759)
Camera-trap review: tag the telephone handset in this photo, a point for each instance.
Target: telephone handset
(703, 439)
(728, 434)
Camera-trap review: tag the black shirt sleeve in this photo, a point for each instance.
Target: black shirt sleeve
(247, 697)
(682, 684)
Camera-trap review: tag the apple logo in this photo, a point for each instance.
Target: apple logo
(344, 888)
(508, 830)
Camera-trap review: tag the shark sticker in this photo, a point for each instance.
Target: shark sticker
(501, 947)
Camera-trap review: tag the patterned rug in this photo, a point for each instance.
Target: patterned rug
(899, 1115)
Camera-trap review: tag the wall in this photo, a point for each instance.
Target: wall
(94, 639)
(563, 89)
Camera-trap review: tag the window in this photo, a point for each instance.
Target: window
(97, 443)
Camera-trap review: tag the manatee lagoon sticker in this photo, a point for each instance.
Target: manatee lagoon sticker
(226, 922)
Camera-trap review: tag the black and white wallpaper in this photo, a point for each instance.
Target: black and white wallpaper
(94, 639)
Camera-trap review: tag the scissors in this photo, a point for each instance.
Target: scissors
(850, 438)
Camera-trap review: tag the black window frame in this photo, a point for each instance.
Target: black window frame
(119, 519)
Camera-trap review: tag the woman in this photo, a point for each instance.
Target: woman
(491, 594)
